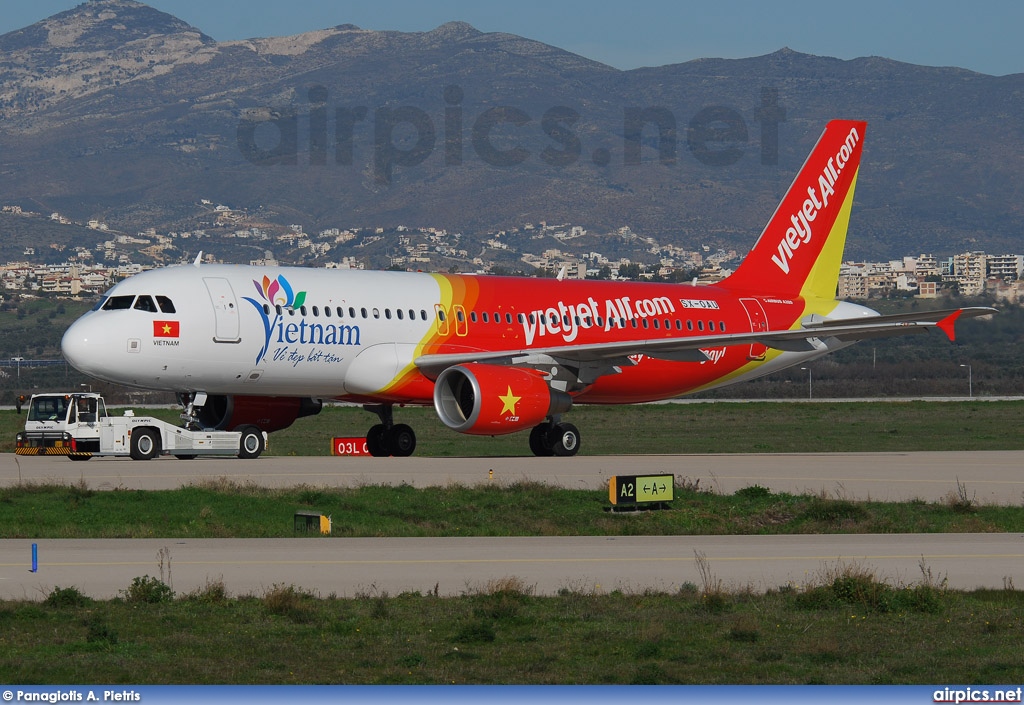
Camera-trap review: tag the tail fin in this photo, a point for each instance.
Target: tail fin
(801, 248)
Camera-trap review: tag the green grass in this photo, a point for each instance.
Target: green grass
(221, 510)
(845, 628)
(723, 427)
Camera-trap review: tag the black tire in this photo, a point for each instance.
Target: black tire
(564, 439)
(79, 456)
(539, 441)
(376, 441)
(401, 440)
(250, 445)
(145, 444)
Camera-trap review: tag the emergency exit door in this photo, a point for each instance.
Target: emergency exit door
(222, 296)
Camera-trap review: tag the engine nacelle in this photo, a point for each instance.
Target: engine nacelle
(228, 412)
(491, 400)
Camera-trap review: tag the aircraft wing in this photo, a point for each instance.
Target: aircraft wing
(810, 336)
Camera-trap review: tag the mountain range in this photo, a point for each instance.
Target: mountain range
(118, 112)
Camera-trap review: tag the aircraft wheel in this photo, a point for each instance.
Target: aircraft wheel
(401, 440)
(539, 440)
(250, 445)
(375, 441)
(564, 439)
(145, 444)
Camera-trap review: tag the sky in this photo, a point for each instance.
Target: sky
(983, 36)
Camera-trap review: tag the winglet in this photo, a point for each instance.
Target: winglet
(946, 324)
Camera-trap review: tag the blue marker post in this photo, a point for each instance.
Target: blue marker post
(35, 558)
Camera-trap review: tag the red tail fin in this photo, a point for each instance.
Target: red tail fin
(801, 248)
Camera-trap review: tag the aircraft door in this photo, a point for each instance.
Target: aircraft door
(758, 323)
(222, 296)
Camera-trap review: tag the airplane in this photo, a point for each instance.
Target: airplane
(263, 346)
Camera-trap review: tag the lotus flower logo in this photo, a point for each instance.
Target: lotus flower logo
(274, 293)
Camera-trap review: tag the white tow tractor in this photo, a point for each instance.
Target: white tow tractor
(77, 425)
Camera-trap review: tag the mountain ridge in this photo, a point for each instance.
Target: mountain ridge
(114, 109)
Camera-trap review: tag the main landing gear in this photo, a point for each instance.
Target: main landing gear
(554, 438)
(551, 438)
(387, 437)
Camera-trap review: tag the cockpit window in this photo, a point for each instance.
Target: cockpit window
(166, 305)
(145, 303)
(118, 303)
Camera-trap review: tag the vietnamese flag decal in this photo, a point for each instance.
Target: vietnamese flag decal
(166, 329)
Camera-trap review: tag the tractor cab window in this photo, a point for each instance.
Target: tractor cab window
(48, 409)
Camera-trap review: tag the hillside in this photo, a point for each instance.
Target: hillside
(118, 112)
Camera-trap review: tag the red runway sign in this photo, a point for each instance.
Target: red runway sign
(349, 446)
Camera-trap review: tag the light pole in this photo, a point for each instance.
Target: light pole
(18, 360)
(810, 383)
(970, 381)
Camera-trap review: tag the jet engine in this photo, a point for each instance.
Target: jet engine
(228, 412)
(491, 400)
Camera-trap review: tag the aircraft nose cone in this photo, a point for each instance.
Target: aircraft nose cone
(77, 344)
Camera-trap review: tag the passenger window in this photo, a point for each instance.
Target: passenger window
(472, 316)
(721, 326)
(400, 314)
(700, 325)
(278, 309)
(327, 311)
(376, 313)
(689, 325)
(711, 325)
(302, 310)
(118, 303)
(423, 314)
(165, 304)
(352, 312)
(266, 309)
(363, 312)
(387, 313)
(316, 312)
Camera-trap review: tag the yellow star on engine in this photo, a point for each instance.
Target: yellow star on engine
(509, 402)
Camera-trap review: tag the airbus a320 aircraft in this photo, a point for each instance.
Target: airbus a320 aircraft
(494, 355)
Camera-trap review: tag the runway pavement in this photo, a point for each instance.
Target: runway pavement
(994, 477)
(350, 567)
